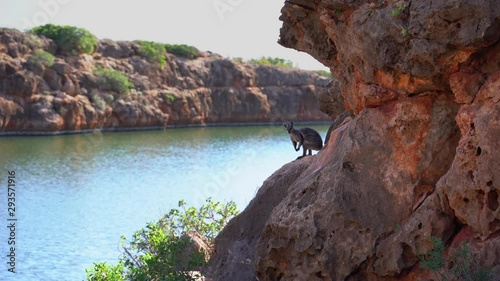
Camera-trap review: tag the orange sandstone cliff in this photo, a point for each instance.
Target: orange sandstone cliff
(66, 96)
(413, 152)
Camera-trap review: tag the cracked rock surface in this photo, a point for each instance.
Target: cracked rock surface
(417, 158)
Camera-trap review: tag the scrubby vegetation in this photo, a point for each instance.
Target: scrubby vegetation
(156, 52)
(398, 8)
(272, 61)
(33, 41)
(99, 100)
(182, 50)
(161, 250)
(113, 80)
(153, 52)
(69, 39)
(105, 272)
(464, 266)
(41, 59)
(325, 73)
(168, 98)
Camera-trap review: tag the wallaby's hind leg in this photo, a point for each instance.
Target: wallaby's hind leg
(310, 152)
(304, 152)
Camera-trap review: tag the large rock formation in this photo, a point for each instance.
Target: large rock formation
(418, 159)
(208, 89)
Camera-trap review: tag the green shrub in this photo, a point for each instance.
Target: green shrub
(105, 272)
(434, 260)
(32, 41)
(464, 266)
(168, 98)
(69, 39)
(398, 9)
(99, 102)
(153, 52)
(237, 59)
(183, 50)
(113, 80)
(158, 251)
(324, 73)
(208, 220)
(273, 62)
(404, 32)
(41, 58)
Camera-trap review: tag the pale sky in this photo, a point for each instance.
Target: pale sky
(232, 28)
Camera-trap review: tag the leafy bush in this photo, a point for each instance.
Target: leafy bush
(272, 61)
(237, 59)
(433, 260)
(99, 102)
(208, 220)
(114, 80)
(464, 266)
(32, 41)
(69, 39)
(398, 9)
(404, 32)
(153, 52)
(105, 272)
(324, 73)
(168, 98)
(41, 58)
(158, 256)
(183, 50)
(160, 251)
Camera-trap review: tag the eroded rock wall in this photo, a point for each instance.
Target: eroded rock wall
(208, 89)
(419, 158)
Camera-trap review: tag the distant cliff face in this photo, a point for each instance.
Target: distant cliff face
(208, 89)
(418, 158)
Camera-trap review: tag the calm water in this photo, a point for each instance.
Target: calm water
(76, 195)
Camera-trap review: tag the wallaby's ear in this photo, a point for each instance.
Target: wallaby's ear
(284, 125)
(291, 124)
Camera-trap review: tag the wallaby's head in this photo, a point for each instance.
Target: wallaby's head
(288, 126)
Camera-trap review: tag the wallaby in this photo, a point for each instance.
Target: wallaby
(308, 138)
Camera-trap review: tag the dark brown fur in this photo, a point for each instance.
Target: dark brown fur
(308, 138)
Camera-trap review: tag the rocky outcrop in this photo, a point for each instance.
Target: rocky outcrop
(208, 89)
(418, 157)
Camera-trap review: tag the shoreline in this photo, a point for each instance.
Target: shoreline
(150, 128)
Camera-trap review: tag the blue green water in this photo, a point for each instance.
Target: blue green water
(77, 194)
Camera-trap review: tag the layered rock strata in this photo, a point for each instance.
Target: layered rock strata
(207, 89)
